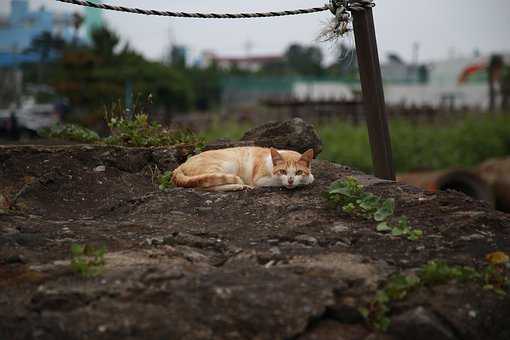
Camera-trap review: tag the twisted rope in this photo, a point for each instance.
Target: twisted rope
(196, 15)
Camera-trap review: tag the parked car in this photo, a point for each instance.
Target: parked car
(29, 118)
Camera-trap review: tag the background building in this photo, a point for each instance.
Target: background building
(22, 25)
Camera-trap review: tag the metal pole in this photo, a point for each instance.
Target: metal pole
(373, 94)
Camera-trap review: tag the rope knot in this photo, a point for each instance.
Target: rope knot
(342, 9)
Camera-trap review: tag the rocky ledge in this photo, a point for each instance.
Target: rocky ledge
(259, 264)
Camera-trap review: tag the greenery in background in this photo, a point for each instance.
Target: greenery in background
(349, 195)
(93, 74)
(466, 142)
(87, 260)
(127, 129)
(492, 277)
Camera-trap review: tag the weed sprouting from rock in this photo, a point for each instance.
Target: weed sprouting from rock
(349, 194)
(165, 180)
(87, 260)
(127, 128)
(492, 277)
(140, 132)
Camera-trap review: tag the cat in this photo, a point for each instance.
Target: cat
(245, 168)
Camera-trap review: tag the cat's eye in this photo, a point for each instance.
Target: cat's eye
(299, 173)
(282, 172)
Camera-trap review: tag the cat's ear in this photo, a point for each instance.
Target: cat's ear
(275, 155)
(307, 157)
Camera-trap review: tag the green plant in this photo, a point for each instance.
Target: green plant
(439, 272)
(165, 180)
(138, 131)
(71, 132)
(349, 194)
(87, 260)
(401, 229)
(399, 286)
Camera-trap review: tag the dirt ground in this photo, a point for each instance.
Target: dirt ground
(260, 264)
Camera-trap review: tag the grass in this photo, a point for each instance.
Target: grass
(463, 143)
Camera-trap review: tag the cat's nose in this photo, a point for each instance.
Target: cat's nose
(291, 180)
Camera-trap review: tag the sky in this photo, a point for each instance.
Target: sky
(441, 28)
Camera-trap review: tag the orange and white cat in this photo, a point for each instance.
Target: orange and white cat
(245, 168)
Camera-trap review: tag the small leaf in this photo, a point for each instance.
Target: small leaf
(349, 208)
(385, 211)
(415, 234)
(397, 232)
(383, 226)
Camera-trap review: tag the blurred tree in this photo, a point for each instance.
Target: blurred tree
(95, 76)
(207, 85)
(46, 45)
(104, 42)
(177, 56)
(304, 60)
(395, 58)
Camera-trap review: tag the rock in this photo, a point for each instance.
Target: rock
(472, 237)
(332, 330)
(307, 239)
(166, 158)
(275, 251)
(234, 271)
(100, 168)
(345, 310)
(9, 231)
(294, 134)
(340, 227)
(420, 324)
(15, 259)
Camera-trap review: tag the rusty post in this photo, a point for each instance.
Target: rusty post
(373, 94)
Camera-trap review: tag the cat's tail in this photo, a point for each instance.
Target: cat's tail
(180, 179)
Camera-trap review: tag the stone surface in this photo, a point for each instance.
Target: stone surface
(294, 134)
(268, 263)
(421, 324)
